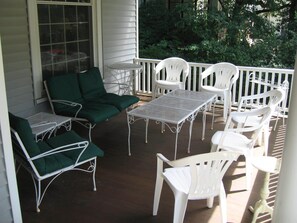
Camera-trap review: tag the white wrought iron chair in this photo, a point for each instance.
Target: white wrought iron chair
(194, 178)
(241, 140)
(219, 78)
(270, 98)
(170, 74)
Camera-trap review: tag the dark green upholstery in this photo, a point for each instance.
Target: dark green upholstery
(87, 89)
(58, 161)
(91, 83)
(92, 89)
(54, 162)
(121, 102)
(22, 127)
(51, 163)
(64, 87)
(94, 112)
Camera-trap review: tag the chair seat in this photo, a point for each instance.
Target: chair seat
(233, 141)
(249, 121)
(167, 83)
(218, 91)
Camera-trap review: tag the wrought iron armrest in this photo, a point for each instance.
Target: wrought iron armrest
(71, 104)
(70, 147)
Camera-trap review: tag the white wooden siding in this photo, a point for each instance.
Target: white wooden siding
(16, 56)
(119, 28)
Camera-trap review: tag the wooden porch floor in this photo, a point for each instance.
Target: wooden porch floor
(125, 185)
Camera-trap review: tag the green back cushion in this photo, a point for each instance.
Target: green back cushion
(64, 87)
(22, 127)
(91, 83)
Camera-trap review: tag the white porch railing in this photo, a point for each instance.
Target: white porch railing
(244, 86)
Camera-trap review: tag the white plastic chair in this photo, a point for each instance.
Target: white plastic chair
(270, 98)
(194, 178)
(170, 74)
(241, 140)
(225, 75)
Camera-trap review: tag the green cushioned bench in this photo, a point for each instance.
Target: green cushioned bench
(52, 157)
(84, 97)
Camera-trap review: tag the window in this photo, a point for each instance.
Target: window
(64, 33)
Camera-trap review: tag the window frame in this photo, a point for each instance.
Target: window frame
(35, 43)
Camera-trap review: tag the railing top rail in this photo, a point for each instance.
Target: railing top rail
(281, 70)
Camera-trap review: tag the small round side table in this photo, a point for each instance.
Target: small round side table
(125, 83)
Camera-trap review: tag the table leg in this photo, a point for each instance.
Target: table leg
(129, 134)
(146, 129)
(190, 133)
(176, 139)
(203, 124)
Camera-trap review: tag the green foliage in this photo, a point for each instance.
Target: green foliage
(237, 34)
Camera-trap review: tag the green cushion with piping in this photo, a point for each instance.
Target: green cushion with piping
(121, 102)
(64, 87)
(22, 127)
(94, 112)
(91, 83)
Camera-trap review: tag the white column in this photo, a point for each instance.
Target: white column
(286, 196)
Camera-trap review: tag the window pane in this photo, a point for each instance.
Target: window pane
(83, 14)
(83, 31)
(44, 34)
(84, 48)
(46, 56)
(71, 32)
(57, 33)
(43, 11)
(70, 14)
(56, 14)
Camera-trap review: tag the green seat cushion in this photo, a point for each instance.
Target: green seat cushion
(22, 127)
(71, 137)
(93, 111)
(64, 87)
(52, 163)
(91, 83)
(121, 102)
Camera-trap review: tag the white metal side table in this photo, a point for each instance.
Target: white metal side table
(124, 75)
(45, 124)
(269, 165)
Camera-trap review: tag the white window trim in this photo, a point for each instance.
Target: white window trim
(35, 44)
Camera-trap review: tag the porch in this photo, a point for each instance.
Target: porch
(125, 185)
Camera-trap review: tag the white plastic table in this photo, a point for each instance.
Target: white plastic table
(44, 123)
(172, 110)
(126, 81)
(268, 165)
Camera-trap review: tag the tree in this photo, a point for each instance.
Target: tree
(238, 31)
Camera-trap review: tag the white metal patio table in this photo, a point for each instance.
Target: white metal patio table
(44, 123)
(172, 110)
